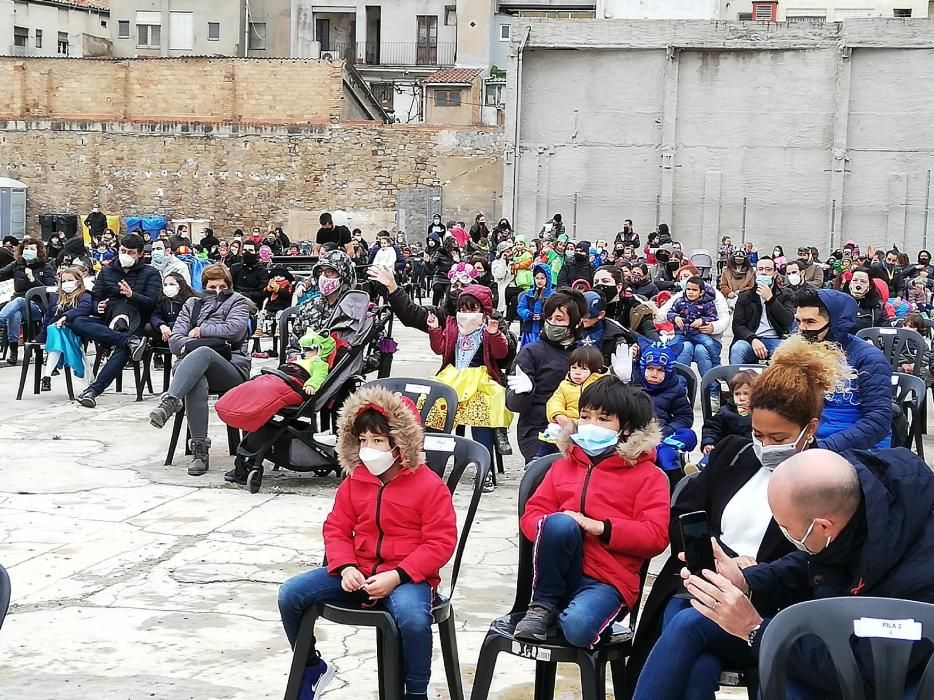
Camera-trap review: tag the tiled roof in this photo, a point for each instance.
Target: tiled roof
(454, 76)
(103, 5)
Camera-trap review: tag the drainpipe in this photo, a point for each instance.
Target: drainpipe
(515, 139)
(246, 28)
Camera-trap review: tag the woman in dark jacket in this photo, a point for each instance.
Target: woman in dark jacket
(871, 307)
(441, 263)
(641, 283)
(175, 292)
(609, 280)
(206, 332)
(29, 269)
(674, 649)
(541, 366)
(485, 277)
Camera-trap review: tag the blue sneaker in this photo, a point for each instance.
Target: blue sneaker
(315, 680)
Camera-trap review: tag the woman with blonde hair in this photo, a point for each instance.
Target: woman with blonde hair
(678, 651)
(62, 346)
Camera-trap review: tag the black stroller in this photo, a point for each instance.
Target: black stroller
(302, 438)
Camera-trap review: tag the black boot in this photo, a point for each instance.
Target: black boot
(238, 474)
(200, 456)
(47, 384)
(167, 408)
(13, 354)
(502, 441)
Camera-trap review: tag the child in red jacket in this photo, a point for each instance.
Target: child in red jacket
(601, 511)
(390, 532)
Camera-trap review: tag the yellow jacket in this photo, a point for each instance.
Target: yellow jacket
(566, 399)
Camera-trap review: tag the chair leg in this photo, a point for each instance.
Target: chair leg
(37, 374)
(452, 665)
(166, 372)
(233, 440)
(389, 662)
(618, 671)
(69, 384)
(545, 680)
(24, 374)
(306, 635)
(176, 432)
(486, 665)
(593, 677)
(138, 378)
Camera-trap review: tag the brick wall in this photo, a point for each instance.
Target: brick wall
(186, 89)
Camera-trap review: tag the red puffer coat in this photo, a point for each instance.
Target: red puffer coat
(627, 491)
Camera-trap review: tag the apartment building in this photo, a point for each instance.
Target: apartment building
(76, 28)
(172, 28)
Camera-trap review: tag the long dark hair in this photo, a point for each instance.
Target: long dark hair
(185, 292)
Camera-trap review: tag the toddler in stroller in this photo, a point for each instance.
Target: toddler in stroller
(292, 438)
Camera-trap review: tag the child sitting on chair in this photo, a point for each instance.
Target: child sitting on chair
(669, 395)
(600, 513)
(62, 346)
(314, 362)
(732, 419)
(391, 530)
(562, 409)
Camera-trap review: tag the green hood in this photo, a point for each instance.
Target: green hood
(325, 343)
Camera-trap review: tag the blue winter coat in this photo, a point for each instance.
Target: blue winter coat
(530, 305)
(860, 417)
(670, 400)
(893, 562)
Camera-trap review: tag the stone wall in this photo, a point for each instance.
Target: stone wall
(236, 175)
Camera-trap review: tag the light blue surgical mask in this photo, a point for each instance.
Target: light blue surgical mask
(29, 255)
(764, 279)
(595, 440)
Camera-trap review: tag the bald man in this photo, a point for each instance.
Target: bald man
(862, 522)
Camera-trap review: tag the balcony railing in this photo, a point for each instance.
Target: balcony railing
(399, 53)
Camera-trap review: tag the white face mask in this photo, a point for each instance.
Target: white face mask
(126, 261)
(794, 279)
(376, 461)
(772, 455)
(170, 290)
(469, 322)
(69, 287)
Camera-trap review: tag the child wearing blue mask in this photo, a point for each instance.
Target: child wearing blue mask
(673, 410)
(600, 513)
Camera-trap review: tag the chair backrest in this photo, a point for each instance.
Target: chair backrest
(679, 487)
(899, 345)
(5, 590)
(466, 453)
(717, 375)
(40, 297)
(690, 378)
(285, 328)
(884, 625)
(426, 393)
(909, 393)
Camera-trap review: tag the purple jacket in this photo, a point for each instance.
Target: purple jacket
(704, 309)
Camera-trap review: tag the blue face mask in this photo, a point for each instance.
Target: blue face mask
(765, 280)
(595, 440)
(29, 255)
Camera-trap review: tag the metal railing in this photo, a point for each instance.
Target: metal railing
(398, 53)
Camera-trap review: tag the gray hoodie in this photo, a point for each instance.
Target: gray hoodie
(222, 316)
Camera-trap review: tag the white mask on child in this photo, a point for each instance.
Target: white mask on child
(69, 287)
(376, 461)
(469, 322)
(170, 290)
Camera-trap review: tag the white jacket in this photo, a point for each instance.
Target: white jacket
(724, 313)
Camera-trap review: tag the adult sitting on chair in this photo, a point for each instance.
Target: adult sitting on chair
(209, 338)
(858, 417)
(29, 269)
(125, 294)
(862, 521)
(333, 275)
(687, 650)
(761, 318)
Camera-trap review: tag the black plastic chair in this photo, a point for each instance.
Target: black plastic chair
(909, 393)
(834, 621)
(147, 363)
(388, 646)
(690, 378)
(233, 438)
(715, 376)
(285, 327)
(425, 393)
(901, 346)
(32, 349)
(101, 352)
(5, 590)
(547, 655)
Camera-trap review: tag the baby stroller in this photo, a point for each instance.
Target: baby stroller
(703, 261)
(293, 438)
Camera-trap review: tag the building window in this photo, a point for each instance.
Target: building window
(495, 94)
(505, 31)
(148, 29)
(104, 23)
(20, 36)
(450, 15)
(257, 36)
(764, 12)
(426, 51)
(901, 13)
(214, 31)
(744, 16)
(558, 14)
(447, 98)
(38, 38)
(123, 29)
(181, 31)
(63, 43)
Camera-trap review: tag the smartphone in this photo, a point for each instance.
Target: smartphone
(695, 534)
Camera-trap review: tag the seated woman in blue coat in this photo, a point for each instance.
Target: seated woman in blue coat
(860, 416)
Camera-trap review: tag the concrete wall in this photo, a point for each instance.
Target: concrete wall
(468, 112)
(832, 10)
(6, 26)
(822, 130)
(51, 20)
(475, 27)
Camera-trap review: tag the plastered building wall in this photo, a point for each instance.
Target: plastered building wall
(823, 130)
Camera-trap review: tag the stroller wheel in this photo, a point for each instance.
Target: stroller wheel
(254, 481)
(322, 471)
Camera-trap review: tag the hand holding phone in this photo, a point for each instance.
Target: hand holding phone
(695, 535)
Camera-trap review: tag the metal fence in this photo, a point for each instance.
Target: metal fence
(398, 53)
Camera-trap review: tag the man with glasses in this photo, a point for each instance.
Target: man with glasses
(762, 317)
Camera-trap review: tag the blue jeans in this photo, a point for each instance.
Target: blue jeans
(590, 606)
(686, 661)
(700, 348)
(666, 456)
(409, 604)
(11, 315)
(742, 353)
(96, 329)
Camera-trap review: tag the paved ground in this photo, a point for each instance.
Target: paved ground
(133, 580)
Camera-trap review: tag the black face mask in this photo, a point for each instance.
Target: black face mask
(813, 335)
(924, 261)
(250, 259)
(609, 291)
(580, 257)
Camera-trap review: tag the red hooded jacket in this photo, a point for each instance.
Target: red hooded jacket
(627, 491)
